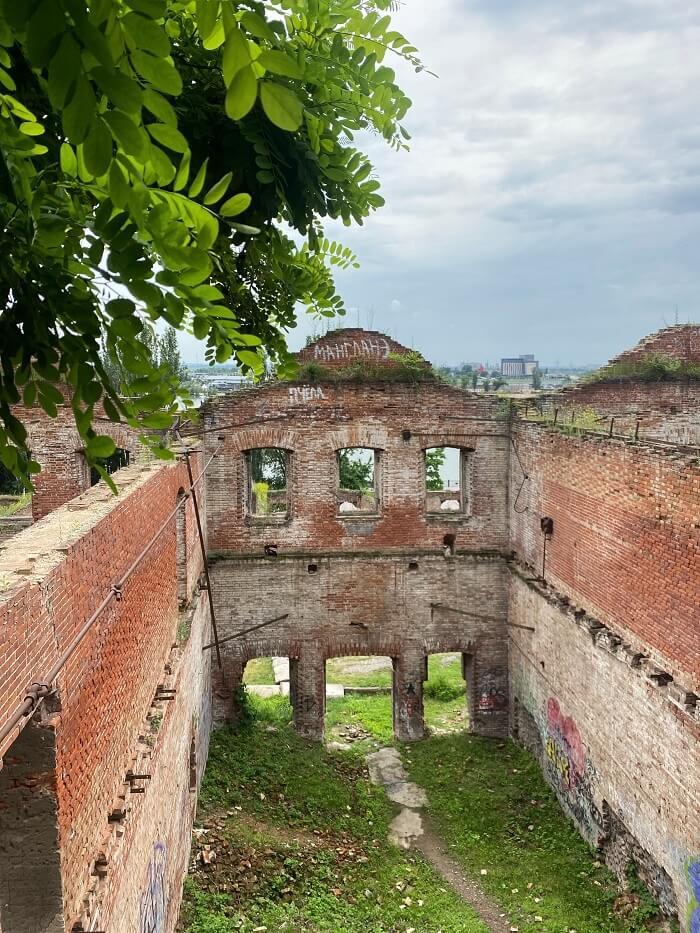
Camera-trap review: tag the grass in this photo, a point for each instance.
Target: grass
(299, 836)
(299, 833)
(493, 808)
(259, 671)
(12, 507)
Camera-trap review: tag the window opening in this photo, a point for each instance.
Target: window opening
(446, 472)
(120, 458)
(357, 481)
(268, 469)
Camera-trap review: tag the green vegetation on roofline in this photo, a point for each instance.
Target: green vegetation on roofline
(654, 368)
(404, 367)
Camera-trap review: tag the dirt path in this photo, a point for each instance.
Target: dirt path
(410, 829)
(432, 847)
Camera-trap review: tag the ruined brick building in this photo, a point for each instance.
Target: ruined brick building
(562, 563)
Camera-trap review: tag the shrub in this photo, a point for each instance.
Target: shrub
(439, 686)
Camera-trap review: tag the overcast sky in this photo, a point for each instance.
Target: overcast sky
(550, 201)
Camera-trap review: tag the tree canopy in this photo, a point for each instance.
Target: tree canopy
(174, 160)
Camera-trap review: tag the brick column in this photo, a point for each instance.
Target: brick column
(409, 673)
(307, 682)
(487, 689)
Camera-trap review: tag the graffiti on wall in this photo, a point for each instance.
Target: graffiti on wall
(300, 395)
(693, 872)
(569, 768)
(492, 693)
(409, 699)
(154, 899)
(367, 348)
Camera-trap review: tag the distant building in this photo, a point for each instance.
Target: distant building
(523, 365)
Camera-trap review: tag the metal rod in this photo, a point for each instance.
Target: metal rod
(204, 555)
(463, 612)
(39, 689)
(246, 631)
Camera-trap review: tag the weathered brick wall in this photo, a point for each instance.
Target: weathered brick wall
(668, 411)
(681, 341)
(314, 422)
(54, 576)
(620, 749)
(404, 606)
(626, 542)
(56, 445)
(348, 345)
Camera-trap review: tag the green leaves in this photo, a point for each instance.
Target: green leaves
(242, 93)
(235, 205)
(168, 136)
(97, 148)
(159, 72)
(101, 446)
(217, 191)
(124, 93)
(79, 114)
(128, 135)
(282, 106)
(280, 63)
(100, 193)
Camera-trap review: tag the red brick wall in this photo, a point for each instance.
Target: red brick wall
(681, 341)
(56, 445)
(668, 411)
(626, 542)
(55, 575)
(314, 421)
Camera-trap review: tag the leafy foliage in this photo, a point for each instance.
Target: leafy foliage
(356, 465)
(269, 465)
(434, 461)
(153, 154)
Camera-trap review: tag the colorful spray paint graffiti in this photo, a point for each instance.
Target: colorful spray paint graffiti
(492, 694)
(154, 898)
(570, 770)
(694, 906)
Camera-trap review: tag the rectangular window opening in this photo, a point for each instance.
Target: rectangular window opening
(357, 481)
(120, 458)
(446, 480)
(268, 492)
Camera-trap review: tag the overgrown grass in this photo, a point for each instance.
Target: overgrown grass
(445, 701)
(409, 367)
(657, 367)
(502, 822)
(299, 836)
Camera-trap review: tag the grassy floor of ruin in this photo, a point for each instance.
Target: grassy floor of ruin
(291, 835)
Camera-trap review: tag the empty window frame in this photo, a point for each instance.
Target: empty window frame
(268, 489)
(358, 488)
(120, 458)
(447, 472)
